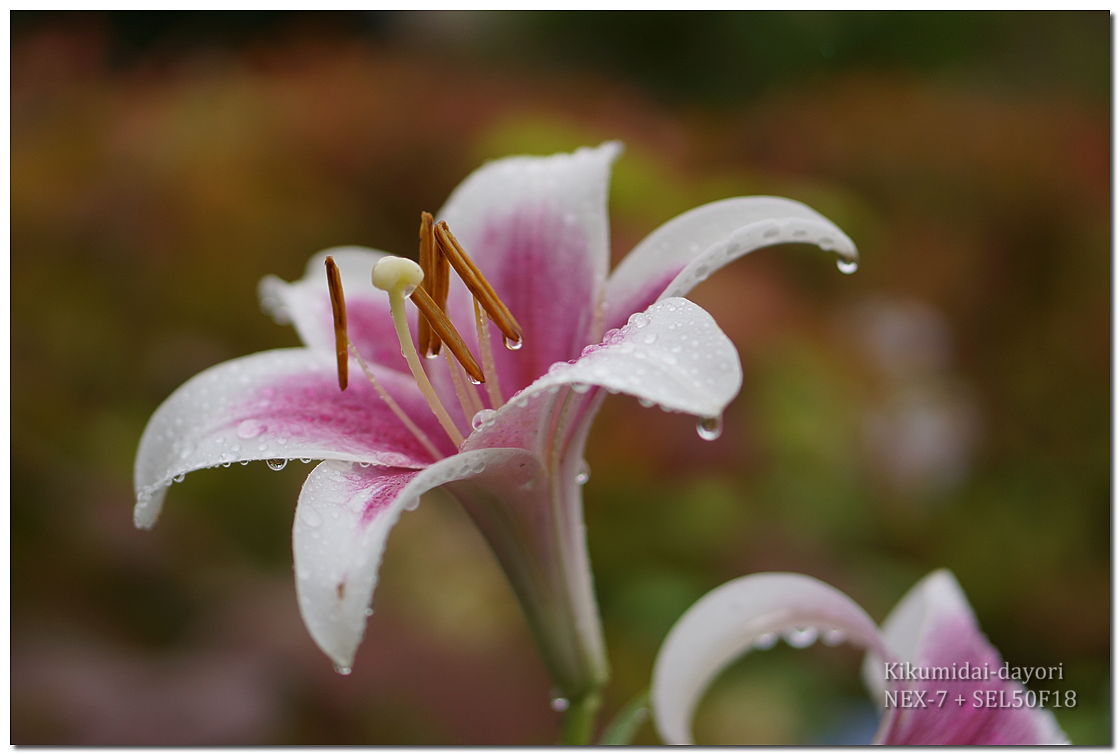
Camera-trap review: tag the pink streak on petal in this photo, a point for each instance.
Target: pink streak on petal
(310, 407)
(950, 639)
(538, 262)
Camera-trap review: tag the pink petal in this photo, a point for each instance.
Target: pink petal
(537, 228)
(747, 612)
(306, 304)
(688, 248)
(282, 404)
(933, 626)
(343, 517)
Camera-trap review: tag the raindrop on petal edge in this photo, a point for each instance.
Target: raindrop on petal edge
(709, 428)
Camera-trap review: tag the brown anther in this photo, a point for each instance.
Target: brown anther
(338, 309)
(443, 328)
(428, 341)
(476, 282)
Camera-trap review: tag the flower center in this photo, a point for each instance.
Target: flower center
(427, 284)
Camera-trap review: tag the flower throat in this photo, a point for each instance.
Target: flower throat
(427, 285)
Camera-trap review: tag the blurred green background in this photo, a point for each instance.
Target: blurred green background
(946, 407)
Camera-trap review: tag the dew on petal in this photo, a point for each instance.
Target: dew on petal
(513, 344)
(584, 473)
(277, 464)
(833, 637)
(801, 637)
(766, 641)
(709, 428)
(343, 670)
(638, 320)
(249, 428)
(559, 704)
(847, 266)
(310, 517)
(483, 418)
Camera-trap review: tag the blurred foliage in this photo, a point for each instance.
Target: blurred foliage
(946, 407)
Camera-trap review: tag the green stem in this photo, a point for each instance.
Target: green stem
(627, 722)
(579, 719)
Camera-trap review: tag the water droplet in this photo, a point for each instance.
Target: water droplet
(766, 641)
(638, 320)
(249, 428)
(513, 344)
(310, 517)
(276, 464)
(709, 428)
(343, 670)
(483, 418)
(178, 478)
(584, 473)
(847, 266)
(472, 380)
(833, 637)
(368, 612)
(306, 461)
(559, 704)
(801, 637)
(412, 504)
(580, 387)
(649, 338)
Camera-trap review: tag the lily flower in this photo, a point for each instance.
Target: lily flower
(502, 432)
(931, 633)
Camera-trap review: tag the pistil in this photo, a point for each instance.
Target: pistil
(400, 277)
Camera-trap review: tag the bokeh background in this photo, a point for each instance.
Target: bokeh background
(946, 407)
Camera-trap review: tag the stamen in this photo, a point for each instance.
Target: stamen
(443, 328)
(400, 277)
(338, 310)
(482, 324)
(477, 284)
(419, 434)
(429, 343)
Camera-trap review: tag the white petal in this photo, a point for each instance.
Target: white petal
(688, 248)
(728, 621)
(673, 355)
(282, 404)
(573, 185)
(343, 518)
